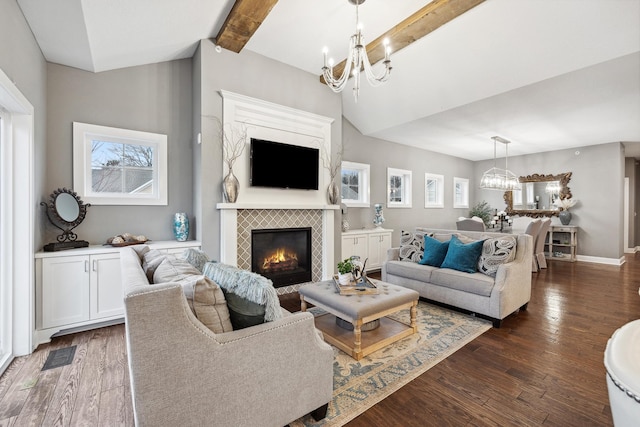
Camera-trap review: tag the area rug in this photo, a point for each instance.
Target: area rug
(358, 385)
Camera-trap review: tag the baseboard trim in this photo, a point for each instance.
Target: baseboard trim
(631, 250)
(601, 260)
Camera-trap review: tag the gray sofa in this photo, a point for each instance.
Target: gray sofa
(492, 297)
(184, 374)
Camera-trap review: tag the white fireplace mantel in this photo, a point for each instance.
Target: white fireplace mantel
(236, 206)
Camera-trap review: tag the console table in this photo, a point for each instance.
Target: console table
(562, 243)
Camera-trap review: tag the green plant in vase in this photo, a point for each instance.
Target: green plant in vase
(345, 271)
(481, 210)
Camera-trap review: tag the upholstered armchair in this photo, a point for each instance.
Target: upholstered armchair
(183, 374)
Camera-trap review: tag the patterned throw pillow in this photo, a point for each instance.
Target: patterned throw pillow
(412, 245)
(496, 251)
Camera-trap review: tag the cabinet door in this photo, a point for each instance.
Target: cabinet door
(378, 246)
(106, 286)
(355, 244)
(65, 290)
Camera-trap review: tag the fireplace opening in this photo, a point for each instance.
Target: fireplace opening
(282, 255)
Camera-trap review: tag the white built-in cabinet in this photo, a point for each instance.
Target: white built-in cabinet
(79, 289)
(371, 244)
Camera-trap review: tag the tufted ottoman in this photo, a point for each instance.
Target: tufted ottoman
(358, 310)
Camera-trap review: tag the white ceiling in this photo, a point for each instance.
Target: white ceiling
(545, 74)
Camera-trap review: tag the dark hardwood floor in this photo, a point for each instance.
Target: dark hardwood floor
(542, 367)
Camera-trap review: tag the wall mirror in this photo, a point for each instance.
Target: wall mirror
(538, 194)
(65, 211)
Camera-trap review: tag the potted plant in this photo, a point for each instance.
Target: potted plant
(345, 271)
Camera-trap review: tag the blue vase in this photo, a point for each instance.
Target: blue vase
(181, 226)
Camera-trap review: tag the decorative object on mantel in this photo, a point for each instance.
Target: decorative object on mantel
(126, 239)
(500, 179)
(345, 221)
(332, 164)
(564, 205)
(501, 219)
(181, 226)
(233, 140)
(65, 211)
(378, 219)
(356, 59)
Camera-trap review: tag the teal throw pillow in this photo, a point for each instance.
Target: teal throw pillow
(434, 251)
(463, 257)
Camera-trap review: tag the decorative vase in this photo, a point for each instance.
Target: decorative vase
(565, 217)
(345, 225)
(378, 219)
(181, 226)
(333, 193)
(230, 187)
(344, 279)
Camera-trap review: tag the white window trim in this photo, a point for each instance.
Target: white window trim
(17, 264)
(364, 173)
(407, 186)
(465, 202)
(439, 203)
(84, 134)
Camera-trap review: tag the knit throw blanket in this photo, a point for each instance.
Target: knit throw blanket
(248, 285)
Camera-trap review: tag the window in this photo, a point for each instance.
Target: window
(398, 188)
(517, 197)
(114, 166)
(355, 184)
(433, 190)
(530, 192)
(460, 192)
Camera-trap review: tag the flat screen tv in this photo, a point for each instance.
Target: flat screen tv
(278, 165)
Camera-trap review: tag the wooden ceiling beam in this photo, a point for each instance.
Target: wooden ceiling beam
(424, 21)
(243, 21)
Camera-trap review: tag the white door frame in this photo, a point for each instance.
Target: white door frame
(18, 204)
(628, 249)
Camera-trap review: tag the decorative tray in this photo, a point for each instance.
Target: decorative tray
(123, 244)
(363, 286)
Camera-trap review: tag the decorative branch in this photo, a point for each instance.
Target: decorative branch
(332, 164)
(233, 140)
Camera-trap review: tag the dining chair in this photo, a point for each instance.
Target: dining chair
(533, 230)
(540, 241)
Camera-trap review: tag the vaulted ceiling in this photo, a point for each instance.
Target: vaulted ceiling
(545, 74)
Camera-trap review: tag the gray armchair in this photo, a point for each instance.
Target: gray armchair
(184, 374)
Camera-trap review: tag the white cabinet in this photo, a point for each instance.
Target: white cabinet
(355, 244)
(379, 243)
(81, 288)
(371, 244)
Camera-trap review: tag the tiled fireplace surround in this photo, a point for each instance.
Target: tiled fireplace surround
(238, 236)
(261, 208)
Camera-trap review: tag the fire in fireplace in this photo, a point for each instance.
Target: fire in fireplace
(282, 255)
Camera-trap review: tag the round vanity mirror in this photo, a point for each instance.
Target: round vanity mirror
(65, 211)
(67, 207)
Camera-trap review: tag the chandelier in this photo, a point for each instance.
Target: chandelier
(500, 179)
(356, 61)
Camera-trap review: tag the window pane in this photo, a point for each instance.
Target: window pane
(432, 191)
(350, 184)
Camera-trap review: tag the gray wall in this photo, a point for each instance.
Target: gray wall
(152, 98)
(252, 75)
(22, 61)
(597, 182)
(380, 155)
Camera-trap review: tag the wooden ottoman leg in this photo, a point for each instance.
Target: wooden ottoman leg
(413, 311)
(357, 336)
(303, 304)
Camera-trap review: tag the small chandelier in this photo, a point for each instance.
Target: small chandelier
(500, 179)
(356, 61)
